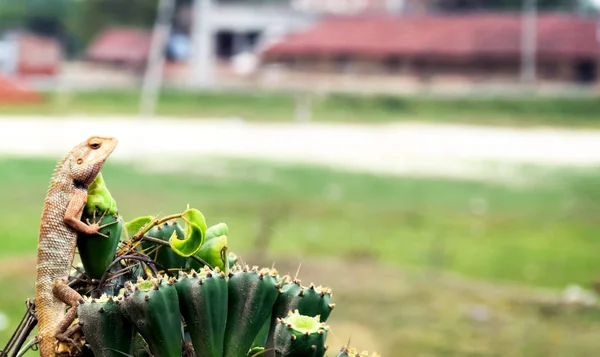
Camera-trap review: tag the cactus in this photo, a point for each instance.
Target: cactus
(220, 310)
(299, 336)
(153, 307)
(252, 294)
(203, 303)
(107, 331)
(310, 301)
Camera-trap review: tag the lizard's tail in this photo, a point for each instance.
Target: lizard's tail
(47, 345)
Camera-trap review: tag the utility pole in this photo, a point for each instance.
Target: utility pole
(202, 56)
(156, 60)
(528, 41)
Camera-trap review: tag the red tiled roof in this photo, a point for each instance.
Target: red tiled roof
(449, 36)
(121, 44)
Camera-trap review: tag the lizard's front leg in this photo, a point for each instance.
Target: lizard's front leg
(75, 210)
(67, 295)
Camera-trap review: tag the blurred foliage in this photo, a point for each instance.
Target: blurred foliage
(90, 17)
(75, 22)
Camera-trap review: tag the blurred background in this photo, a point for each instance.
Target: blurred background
(434, 162)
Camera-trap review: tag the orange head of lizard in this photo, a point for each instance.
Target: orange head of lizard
(88, 158)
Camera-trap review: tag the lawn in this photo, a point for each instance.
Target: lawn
(521, 111)
(495, 237)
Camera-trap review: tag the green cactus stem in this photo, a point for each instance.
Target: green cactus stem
(106, 330)
(153, 307)
(300, 336)
(203, 303)
(96, 251)
(252, 294)
(311, 301)
(163, 254)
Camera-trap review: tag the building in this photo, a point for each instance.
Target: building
(461, 47)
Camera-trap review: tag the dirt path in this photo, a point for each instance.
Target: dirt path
(449, 150)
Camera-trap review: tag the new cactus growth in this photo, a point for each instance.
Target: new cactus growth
(252, 294)
(214, 249)
(153, 307)
(203, 303)
(310, 301)
(299, 336)
(107, 331)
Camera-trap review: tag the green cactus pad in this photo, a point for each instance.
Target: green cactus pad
(97, 252)
(153, 308)
(300, 336)
(164, 255)
(252, 294)
(203, 304)
(106, 330)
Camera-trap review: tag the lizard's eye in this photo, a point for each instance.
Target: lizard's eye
(95, 145)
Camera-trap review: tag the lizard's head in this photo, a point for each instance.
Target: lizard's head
(88, 157)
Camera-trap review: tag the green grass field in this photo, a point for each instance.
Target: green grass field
(521, 112)
(407, 257)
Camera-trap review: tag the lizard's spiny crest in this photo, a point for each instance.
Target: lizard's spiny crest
(89, 156)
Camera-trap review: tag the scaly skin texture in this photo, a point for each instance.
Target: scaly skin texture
(61, 220)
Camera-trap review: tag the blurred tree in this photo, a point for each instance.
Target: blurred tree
(91, 16)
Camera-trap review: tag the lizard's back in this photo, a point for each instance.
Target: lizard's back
(56, 247)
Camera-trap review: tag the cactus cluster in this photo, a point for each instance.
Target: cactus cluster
(158, 287)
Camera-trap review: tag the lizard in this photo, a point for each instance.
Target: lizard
(60, 222)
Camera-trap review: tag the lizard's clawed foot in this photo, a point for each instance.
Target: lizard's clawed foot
(95, 227)
(64, 342)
